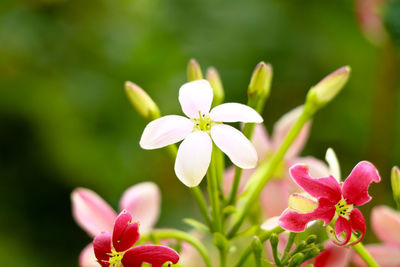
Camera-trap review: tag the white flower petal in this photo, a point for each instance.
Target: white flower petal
(165, 131)
(234, 112)
(193, 158)
(143, 201)
(334, 167)
(194, 97)
(234, 144)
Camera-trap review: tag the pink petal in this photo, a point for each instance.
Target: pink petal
(91, 212)
(283, 126)
(165, 131)
(357, 222)
(102, 248)
(342, 225)
(296, 222)
(194, 97)
(386, 224)
(143, 202)
(155, 255)
(87, 257)
(385, 255)
(326, 187)
(355, 187)
(235, 145)
(193, 158)
(274, 198)
(261, 141)
(333, 256)
(126, 233)
(229, 174)
(234, 112)
(316, 167)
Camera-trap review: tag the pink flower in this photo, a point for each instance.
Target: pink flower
(199, 130)
(94, 215)
(336, 202)
(386, 226)
(274, 198)
(112, 250)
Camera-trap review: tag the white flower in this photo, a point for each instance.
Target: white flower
(194, 153)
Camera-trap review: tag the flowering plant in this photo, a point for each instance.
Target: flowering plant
(270, 193)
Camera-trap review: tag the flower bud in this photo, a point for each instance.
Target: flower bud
(311, 239)
(327, 88)
(216, 84)
(257, 247)
(297, 259)
(395, 178)
(220, 241)
(260, 82)
(194, 71)
(142, 102)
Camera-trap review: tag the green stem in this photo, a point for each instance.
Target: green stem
(363, 253)
(212, 186)
(222, 257)
(235, 186)
(289, 244)
(196, 192)
(201, 203)
(179, 235)
(265, 171)
(248, 132)
(263, 237)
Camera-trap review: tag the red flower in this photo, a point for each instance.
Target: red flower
(336, 202)
(112, 250)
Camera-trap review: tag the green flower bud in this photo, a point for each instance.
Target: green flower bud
(327, 88)
(296, 260)
(216, 84)
(220, 241)
(142, 102)
(311, 239)
(194, 71)
(395, 178)
(260, 82)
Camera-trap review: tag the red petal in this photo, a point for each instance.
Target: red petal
(326, 187)
(355, 188)
(153, 254)
(342, 225)
(102, 247)
(125, 232)
(333, 256)
(357, 222)
(296, 222)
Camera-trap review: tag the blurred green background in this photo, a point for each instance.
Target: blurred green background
(65, 120)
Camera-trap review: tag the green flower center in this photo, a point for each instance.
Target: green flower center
(343, 209)
(115, 258)
(203, 123)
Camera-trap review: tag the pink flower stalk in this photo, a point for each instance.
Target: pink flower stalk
(386, 226)
(94, 215)
(199, 130)
(336, 202)
(116, 249)
(274, 198)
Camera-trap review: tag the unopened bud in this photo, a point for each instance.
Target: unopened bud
(311, 239)
(260, 82)
(216, 84)
(328, 88)
(142, 102)
(296, 260)
(311, 253)
(274, 239)
(395, 178)
(257, 245)
(194, 71)
(220, 241)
